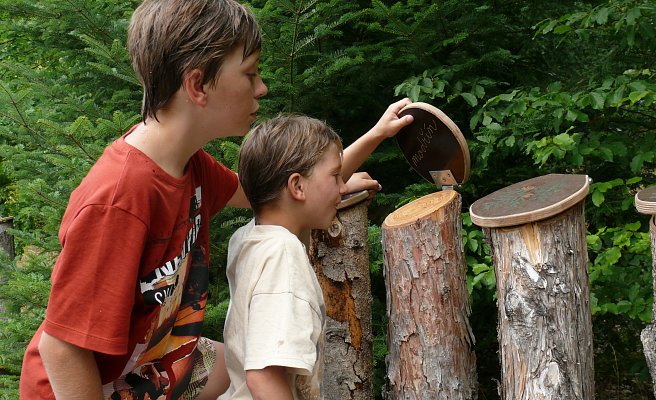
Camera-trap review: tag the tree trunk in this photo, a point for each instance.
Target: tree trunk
(7, 245)
(648, 335)
(429, 337)
(545, 326)
(6, 238)
(340, 257)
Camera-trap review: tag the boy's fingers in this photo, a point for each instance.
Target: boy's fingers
(396, 107)
(406, 120)
(402, 122)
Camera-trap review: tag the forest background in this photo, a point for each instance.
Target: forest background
(537, 87)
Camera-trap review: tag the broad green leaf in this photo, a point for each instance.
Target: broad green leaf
(602, 16)
(598, 100)
(470, 99)
(427, 83)
(563, 140)
(495, 126)
(510, 141)
(637, 96)
(480, 268)
(597, 198)
(562, 29)
(414, 93)
(479, 91)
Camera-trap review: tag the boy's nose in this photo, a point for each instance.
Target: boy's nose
(342, 187)
(261, 89)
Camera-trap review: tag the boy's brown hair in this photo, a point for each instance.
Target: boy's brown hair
(168, 38)
(278, 148)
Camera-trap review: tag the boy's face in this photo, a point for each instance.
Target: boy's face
(324, 189)
(234, 100)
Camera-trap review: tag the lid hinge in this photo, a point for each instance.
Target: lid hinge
(444, 180)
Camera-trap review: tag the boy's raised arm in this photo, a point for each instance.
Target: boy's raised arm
(238, 199)
(387, 126)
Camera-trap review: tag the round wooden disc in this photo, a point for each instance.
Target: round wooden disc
(419, 208)
(351, 199)
(433, 142)
(645, 201)
(529, 201)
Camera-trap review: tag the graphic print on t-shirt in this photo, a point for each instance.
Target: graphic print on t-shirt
(160, 367)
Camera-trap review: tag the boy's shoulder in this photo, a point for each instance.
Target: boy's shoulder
(270, 235)
(264, 241)
(275, 236)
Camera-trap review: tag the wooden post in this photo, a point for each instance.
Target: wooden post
(429, 337)
(340, 257)
(6, 238)
(536, 232)
(645, 201)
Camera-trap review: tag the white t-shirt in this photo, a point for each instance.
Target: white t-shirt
(276, 314)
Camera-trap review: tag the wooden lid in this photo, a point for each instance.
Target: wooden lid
(433, 142)
(645, 201)
(419, 208)
(351, 199)
(529, 201)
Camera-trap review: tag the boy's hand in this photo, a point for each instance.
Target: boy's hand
(387, 126)
(389, 123)
(362, 181)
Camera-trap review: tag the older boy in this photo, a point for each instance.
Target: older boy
(130, 285)
(291, 171)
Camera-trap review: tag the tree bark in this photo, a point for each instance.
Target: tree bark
(648, 335)
(545, 326)
(6, 238)
(429, 337)
(340, 257)
(7, 245)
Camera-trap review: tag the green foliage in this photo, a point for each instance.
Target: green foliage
(24, 292)
(480, 273)
(618, 273)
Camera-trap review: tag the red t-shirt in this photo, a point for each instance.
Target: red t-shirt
(131, 280)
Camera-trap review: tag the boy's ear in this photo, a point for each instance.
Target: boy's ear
(192, 83)
(296, 186)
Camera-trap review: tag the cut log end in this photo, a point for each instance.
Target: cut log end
(419, 208)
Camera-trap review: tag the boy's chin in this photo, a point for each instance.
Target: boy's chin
(326, 226)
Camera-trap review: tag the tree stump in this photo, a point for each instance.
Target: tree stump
(6, 238)
(429, 337)
(340, 257)
(645, 201)
(536, 232)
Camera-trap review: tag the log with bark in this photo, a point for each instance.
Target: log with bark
(430, 341)
(340, 256)
(540, 258)
(645, 201)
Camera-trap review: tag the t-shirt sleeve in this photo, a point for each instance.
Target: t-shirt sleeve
(285, 323)
(221, 179)
(95, 278)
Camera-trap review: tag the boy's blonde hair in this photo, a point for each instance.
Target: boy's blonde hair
(168, 38)
(278, 148)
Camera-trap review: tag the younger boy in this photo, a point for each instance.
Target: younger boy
(290, 169)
